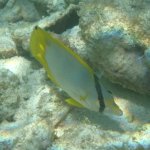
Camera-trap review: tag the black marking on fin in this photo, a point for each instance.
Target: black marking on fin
(100, 95)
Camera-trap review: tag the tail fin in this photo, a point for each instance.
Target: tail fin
(38, 44)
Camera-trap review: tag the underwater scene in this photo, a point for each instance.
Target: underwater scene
(74, 74)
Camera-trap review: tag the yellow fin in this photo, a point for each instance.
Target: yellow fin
(38, 45)
(38, 42)
(72, 102)
(42, 37)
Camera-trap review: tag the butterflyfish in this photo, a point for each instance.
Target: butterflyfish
(67, 70)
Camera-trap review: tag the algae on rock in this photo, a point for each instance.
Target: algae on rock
(118, 40)
(115, 41)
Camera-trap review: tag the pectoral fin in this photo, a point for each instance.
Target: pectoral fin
(72, 102)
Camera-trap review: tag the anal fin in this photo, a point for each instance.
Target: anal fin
(73, 102)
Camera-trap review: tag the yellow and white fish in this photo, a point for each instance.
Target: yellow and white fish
(67, 70)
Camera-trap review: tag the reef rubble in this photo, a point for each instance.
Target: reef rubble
(113, 37)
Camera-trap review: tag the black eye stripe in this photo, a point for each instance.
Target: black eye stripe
(100, 95)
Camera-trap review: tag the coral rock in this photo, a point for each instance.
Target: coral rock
(117, 40)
